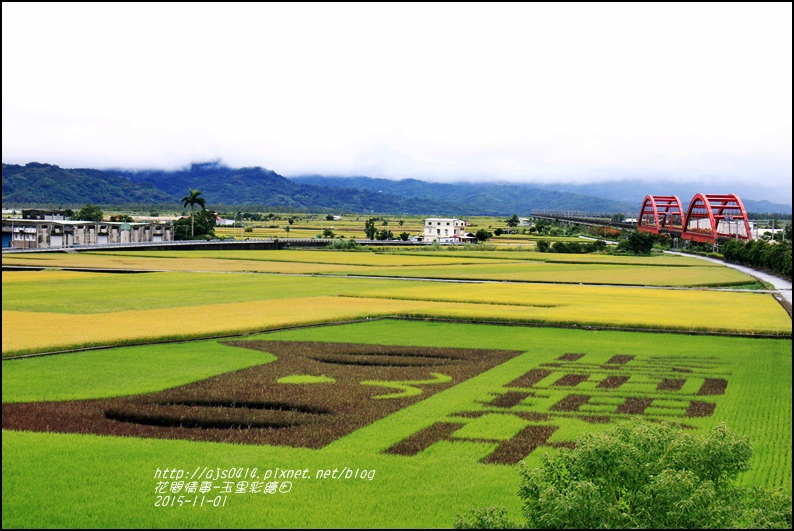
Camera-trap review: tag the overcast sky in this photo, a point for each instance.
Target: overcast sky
(510, 92)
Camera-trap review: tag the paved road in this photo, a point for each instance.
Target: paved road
(782, 286)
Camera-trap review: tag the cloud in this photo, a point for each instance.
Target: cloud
(521, 92)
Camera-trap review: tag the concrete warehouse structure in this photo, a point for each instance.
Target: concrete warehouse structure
(44, 234)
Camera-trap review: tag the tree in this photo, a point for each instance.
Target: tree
(567, 247)
(543, 226)
(404, 236)
(193, 199)
(341, 244)
(483, 235)
(328, 233)
(638, 243)
(121, 217)
(369, 228)
(329, 217)
(89, 212)
(202, 226)
(497, 232)
(513, 221)
(773, 256)
(643, 475)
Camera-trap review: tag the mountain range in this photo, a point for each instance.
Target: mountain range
(634, 191)
(38, 184)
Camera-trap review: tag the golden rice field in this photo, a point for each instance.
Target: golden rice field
(512, 255)
(233, 260)
(36, 331)
(51, 275)
(49, 310)
(507, 266)
(401, 256)
(580, 273)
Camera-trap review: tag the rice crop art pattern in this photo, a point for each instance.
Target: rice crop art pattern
(525, 413)
(345, 387)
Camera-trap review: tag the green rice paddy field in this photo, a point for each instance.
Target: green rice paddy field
(377, 423)
(69, 480)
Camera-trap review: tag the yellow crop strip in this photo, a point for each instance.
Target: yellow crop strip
(613, 306)
(264, 261)
(173, 264)
(362, 258)
(34, 331)
(594, 306)
(417, 265)
(579, 273)
(38, 276)
(512, 255)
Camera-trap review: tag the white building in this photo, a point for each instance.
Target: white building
(446, 230)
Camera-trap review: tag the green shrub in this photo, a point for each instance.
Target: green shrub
(643, 475)
(343, 244)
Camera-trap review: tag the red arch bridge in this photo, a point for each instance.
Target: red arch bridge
(709, 218)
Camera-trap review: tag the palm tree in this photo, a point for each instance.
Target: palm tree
(193, 199)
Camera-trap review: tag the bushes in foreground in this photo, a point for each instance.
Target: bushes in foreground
(643, 475)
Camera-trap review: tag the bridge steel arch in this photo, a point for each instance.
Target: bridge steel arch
(714, 216)
(661, 213)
